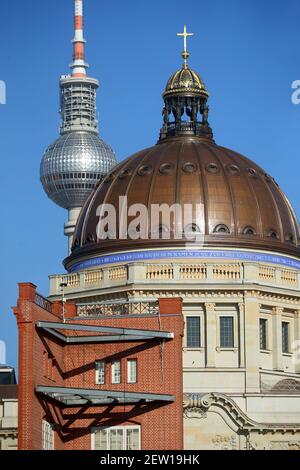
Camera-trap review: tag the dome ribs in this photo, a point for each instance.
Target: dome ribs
(236, 158)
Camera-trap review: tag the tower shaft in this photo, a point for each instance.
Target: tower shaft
(79, 65)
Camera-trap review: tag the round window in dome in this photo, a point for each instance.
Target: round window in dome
(212, 168)
(166, 168)
(289, 238)
(233, 170)
(273, 234)
(125, 173)
(162, 231)
(249, 230)
(145, 170)
(252, 172)
(189, 167)
(221, 228)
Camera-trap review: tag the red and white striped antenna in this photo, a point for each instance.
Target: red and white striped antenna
(79, 65)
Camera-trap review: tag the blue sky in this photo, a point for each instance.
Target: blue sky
(247, 51)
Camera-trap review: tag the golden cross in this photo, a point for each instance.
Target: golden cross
(185, 36)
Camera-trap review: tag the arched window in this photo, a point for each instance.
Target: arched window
(162, 231)
(192, 232)
(191, 229)
(249, 230)
(221, 228)
(289, 238)
(273, 234)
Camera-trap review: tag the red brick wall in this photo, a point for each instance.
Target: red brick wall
(44, 361)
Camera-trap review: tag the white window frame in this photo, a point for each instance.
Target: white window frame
(132, 378)
(116, 378)
(100, 379)
(47, 435)
(116, 428)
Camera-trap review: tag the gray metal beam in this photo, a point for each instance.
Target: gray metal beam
(105, 329)
(66, 392)
(95, 402)
(94, 339)
(105, 339)
(56, 334)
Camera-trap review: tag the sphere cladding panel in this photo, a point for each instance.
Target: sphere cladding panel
(72, 166)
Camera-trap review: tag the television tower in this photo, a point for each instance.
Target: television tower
(73, 165)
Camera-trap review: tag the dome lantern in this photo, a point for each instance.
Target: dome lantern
(185, 97)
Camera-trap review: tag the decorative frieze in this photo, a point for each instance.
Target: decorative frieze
(117, 308)
(224, 405)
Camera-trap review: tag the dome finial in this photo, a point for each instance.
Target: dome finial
(185, 54)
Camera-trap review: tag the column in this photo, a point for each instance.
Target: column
(277, 338)
(241, 322)
(252, 307)
(296, 347)
(211, 334)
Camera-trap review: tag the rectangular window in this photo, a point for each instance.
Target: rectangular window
(47, 435)
(263, 333)
(132, 371)
(116, 372)
(226, 332)
(117, 438)
(100, 372)
(193, 339)
(285, 337)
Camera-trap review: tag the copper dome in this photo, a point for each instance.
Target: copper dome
(243, 206)
(183, 80)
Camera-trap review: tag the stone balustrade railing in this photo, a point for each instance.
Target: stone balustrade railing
(205, 273)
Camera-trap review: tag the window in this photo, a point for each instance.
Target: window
(47, 435)
(285, 337)
(191, 230)
(193, 332)
(263, 333)
(272, 234)
(117, 438)
(249, 231)
(132, 371)
(221, 229)
(226, 332)
(100, 372)
(116, 372)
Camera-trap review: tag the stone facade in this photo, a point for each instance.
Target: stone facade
(241, 397)
(8, 409)
(8, 423)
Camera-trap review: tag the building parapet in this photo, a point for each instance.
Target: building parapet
(174, 273)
